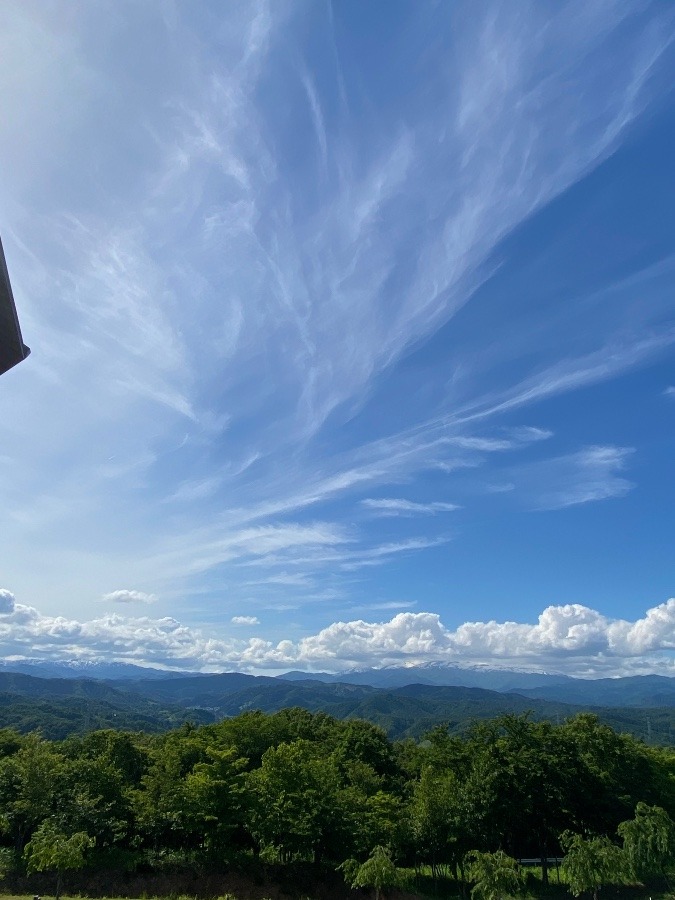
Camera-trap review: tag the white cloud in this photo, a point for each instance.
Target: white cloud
(388, 605)
(245, 620)
(375, 556)
(619, 354)
(7, 602)
(589, 475)
(569, 638)
(397, 507)
(285, 579)
(129, 597)
(207, 548)
(200, 291)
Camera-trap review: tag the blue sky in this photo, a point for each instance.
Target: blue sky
(352, 331)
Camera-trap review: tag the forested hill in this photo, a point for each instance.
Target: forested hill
(407, 711)
(412, 710)
(59, 707)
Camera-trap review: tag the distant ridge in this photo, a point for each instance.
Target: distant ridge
(59, 707)
(45, 668)
(440, 674)
(635, 690)
(648, 691)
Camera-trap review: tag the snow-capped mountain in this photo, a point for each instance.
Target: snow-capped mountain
(101, 671)
(440, 674)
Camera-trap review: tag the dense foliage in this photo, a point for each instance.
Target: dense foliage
(295, 786)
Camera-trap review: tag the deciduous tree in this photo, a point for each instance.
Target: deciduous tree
(590, 863)
(51, 850)
(377, 872)
(648, 840)
(494, 875)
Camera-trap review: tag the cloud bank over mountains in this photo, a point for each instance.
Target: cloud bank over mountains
(570, 639)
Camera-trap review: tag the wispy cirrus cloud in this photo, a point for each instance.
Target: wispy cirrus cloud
(590, 474)
(286, 579)
(612, 359)
(399, 507)
(375, 556)
(227, 302)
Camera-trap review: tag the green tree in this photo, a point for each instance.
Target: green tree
(361, 742)
(434, 818)
(617, 772)
(526, 789)
(297, 810)
(32, 785)
(162, 807)
(51, 850)
(118, 749)
(215, 794)
(648, 840)
(252, 733)
(590, 863)
(8, 861)
(381, 814)
(94, 800)
(494, 875)
(377, 872)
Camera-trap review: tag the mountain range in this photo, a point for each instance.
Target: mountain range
(406, 701)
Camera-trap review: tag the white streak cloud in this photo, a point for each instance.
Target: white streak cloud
(399, 507)
(589, 475)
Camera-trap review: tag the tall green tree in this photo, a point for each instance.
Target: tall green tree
(125, 752)
(51, 850)
(361, 742)
(296, 810)
(617, 772)
(32, 787)
(435, 819)
(162, 806)
(95, 800)
(529, 778)
(216, 798)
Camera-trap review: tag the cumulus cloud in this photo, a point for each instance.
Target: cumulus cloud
(569, 638)
(245, 620)
(130, 597)
(6, 601)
